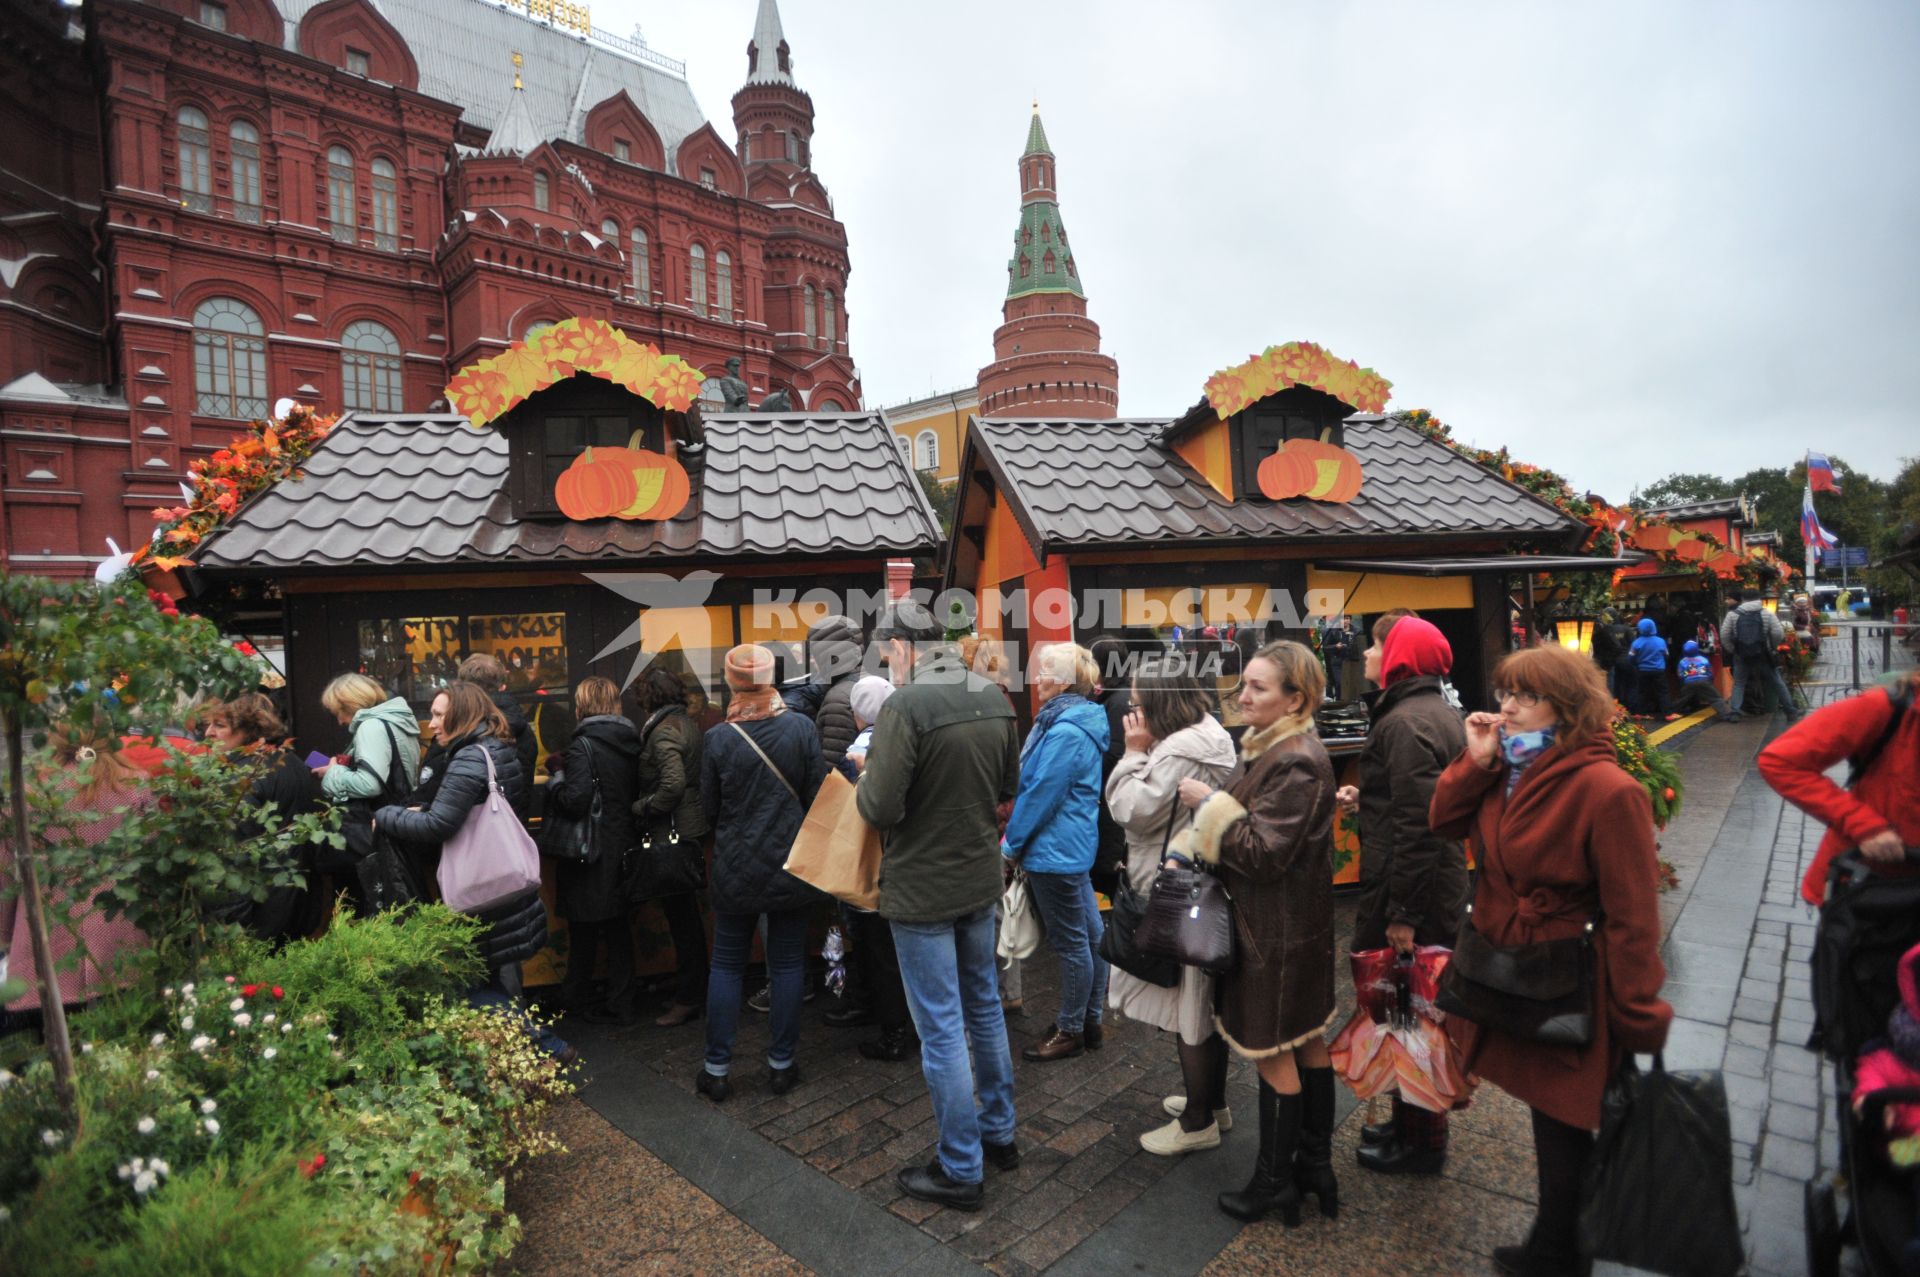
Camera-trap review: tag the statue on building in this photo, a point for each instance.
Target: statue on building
(732, 389)
(778, 401)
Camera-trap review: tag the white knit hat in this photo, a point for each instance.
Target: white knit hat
(869, 694)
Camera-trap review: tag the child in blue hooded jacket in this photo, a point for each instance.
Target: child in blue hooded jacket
(1696, 685)
(1649, 653)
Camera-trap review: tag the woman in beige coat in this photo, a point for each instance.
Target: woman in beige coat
(1170, 737)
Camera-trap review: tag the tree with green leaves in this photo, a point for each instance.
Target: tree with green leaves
(73, 653)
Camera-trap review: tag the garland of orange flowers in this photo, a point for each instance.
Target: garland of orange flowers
(485, 389)
(1298, 363)
(269, 451)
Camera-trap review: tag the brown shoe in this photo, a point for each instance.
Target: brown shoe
(678, 1014)
(1055, 1046)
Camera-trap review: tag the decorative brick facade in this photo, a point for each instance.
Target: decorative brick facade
(1047, 360)
(209, 207)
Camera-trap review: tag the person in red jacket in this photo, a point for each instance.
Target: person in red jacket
(1881, 813)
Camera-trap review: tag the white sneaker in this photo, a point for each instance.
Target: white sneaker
(1175, 1105)
(1171, 1141)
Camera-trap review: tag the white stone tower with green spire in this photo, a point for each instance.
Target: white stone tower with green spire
(1047, 360)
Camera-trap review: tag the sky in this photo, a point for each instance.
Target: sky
(1622, 239)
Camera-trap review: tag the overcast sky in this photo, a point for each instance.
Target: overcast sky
(1622, 239)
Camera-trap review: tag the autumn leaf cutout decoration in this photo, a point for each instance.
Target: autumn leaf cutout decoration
(483, 390)
(1310, 468)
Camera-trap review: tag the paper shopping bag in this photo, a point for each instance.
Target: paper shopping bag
(836, 850)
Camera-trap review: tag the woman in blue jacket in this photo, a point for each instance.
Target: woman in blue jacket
(1054, 833)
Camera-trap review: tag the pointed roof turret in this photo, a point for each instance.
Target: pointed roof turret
(768, 61)
(1036, 135)
(515, 133)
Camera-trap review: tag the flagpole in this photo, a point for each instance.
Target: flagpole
(1808, 544)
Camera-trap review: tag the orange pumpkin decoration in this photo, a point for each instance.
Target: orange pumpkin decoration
(1690, 550)
(595, 485)
(661, 486)
(1310, 468)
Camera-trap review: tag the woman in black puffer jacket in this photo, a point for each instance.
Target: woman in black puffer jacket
(605, 752)
(466, 722)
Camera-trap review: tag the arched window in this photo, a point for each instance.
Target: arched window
(229, 359)
(711, 394)
(534, 329)
(1026, 266)
(697, 279)
(244, 141)
(386, 205)
(906, 450)
(1046, 263)
(642, 274)
(370, 367)
(806, 310)
(831, 405)
(926, 447)
(723, 284)
(609, 230)
(542, 192)
(196, 160)
(793, 147)
(829, 321)
(340, 194)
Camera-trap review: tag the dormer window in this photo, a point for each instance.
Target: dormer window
(553, 427)
(623, 150)
(213, 15)
(708, 178)
(1298, 412)
(360, 62)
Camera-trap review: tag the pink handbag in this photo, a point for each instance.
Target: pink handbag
(492, 859)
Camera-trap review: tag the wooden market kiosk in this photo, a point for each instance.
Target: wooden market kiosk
(1148, 522)
(411, 540)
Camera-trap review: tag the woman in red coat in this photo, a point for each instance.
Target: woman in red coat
(1563, 835)
(1881, 814)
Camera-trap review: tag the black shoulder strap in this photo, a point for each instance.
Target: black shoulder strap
(1902, 702)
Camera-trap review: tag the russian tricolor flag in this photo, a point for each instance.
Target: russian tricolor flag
(1820, 474)
(1817, 538)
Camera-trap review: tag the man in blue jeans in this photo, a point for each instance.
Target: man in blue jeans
(945, 752)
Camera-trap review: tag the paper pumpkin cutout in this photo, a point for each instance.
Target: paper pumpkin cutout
(1310, 468)
(489, 387)
(1298, 363)
(622, 483)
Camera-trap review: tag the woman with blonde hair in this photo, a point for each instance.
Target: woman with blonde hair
(1053, 834)
(1269, 834)
(1564, 842)
(382, 765)
(98, 786)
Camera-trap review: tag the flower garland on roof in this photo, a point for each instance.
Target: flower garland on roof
(269, 451)
(1298, 363)
(1610, 529)
(484, 390)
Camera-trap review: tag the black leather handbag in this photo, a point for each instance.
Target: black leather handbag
(1118, 943)
(575, 838)
(666, 866)
(1189, 919)
(1540, 992)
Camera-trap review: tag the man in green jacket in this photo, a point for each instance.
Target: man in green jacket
(945, 752)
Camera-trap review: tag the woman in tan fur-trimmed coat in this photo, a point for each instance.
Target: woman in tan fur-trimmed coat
(1269, 834)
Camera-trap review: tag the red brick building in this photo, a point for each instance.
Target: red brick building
(209, 205)
(1047, 360)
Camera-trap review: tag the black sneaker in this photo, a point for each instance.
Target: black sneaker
(762, 1001)
(712, 1086)
(1004, 1157)
(930, 1184)
(780, 1081)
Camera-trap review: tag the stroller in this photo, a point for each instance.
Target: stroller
(1867, 923)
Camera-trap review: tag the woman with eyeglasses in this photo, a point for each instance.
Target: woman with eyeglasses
(1564, 838)
(1269, 833)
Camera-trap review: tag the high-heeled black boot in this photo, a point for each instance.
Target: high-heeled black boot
(1271, 1190)
(1313, 1161)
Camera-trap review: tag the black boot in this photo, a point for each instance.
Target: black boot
(1313, 1162)
(1381, 1132)
(892, 1046)
(1418, 1148)
(1271, 1190)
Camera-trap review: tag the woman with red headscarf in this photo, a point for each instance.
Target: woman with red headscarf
(1416, 886)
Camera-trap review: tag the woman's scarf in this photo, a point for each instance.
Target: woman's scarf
(752, 703)
(1521, 749)
(1049, 715)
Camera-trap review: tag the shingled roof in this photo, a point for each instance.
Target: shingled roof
(1111, 483)
(413, 490)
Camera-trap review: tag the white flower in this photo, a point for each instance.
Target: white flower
(124, 1171)
(270, 1052)
(286, 1028)
(153, 1075)
(145, 1125)
(268, 1018)
(244, 1019)
(6, 1078)
(143, 1182)
(158, 1039)
(332, 1038)
(5, 1214)
(167, 992)
(51, 1138)
(213, 1127)
(160, 1166)
(201, 1042)
(186, 990)
(86, 1048)
(208, 1106)
(186, 1022)
(238, 1004)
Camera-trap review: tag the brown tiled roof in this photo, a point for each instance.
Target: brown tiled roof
(1107, 483)
(423, 489)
